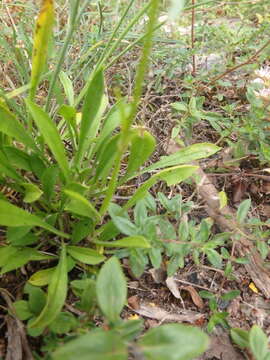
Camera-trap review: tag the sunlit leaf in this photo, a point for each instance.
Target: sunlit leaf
(85, 255)
(43, 32)
(127, 242)
(91, 106)
(50, 133)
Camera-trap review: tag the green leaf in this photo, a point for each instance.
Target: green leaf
(43, 30)
(176, 174)
(91, 107)
(6, 252)
(223, 200)
(22, 310)
(63, 323)
(17, 158)
(48, 179)
(243, 210)
(138, 261)
(106, 157)
(111, 289)
(50, 134)
(11, 215)
(42, 277)
(240, 337)
(37, 299)
(124, 225)
(20, 256)
(7, 170)
(230, 295)
(97, 345)
(32, 192)
(173, 342)
(111, 122)
(214, 257)
(142, 146)
(172, 176)
(185, 155)
(127, 242)
(57, 292)
(10, 126)
(68, 87)
(258, 342)
(85, 255)
(80, 205)
(81, 230)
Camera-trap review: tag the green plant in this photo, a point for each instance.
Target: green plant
(217, 302)
(255, 340)
(65, 211)
(111, 291)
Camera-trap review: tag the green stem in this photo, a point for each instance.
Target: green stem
(72, 25)
(108, 53)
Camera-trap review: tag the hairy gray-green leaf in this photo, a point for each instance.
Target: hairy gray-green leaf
(173, 342)
(96, 345)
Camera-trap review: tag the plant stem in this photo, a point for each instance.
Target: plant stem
(247, 62)
(193, 38)
(72, 25)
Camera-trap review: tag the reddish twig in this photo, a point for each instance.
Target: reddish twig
(193, 38)
(247, 62)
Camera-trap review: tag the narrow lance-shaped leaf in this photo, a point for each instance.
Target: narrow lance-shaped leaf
(68, 87)
(90, 109)
(185, 155)
(50, 134)
(172, 176)
(43, 32)
(10, 126)
(142, 146)
(11, 215)
(243, 210)
(57, 292)
(7, 170)
(137, 241)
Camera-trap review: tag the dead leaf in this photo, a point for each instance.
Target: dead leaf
(239, 190)
(221, 348)
(194, 296)
(134, 302)
(158, 275)
(173, 287)
(157, 313)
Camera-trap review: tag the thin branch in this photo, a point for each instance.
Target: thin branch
(193, 38)
(250, 60)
